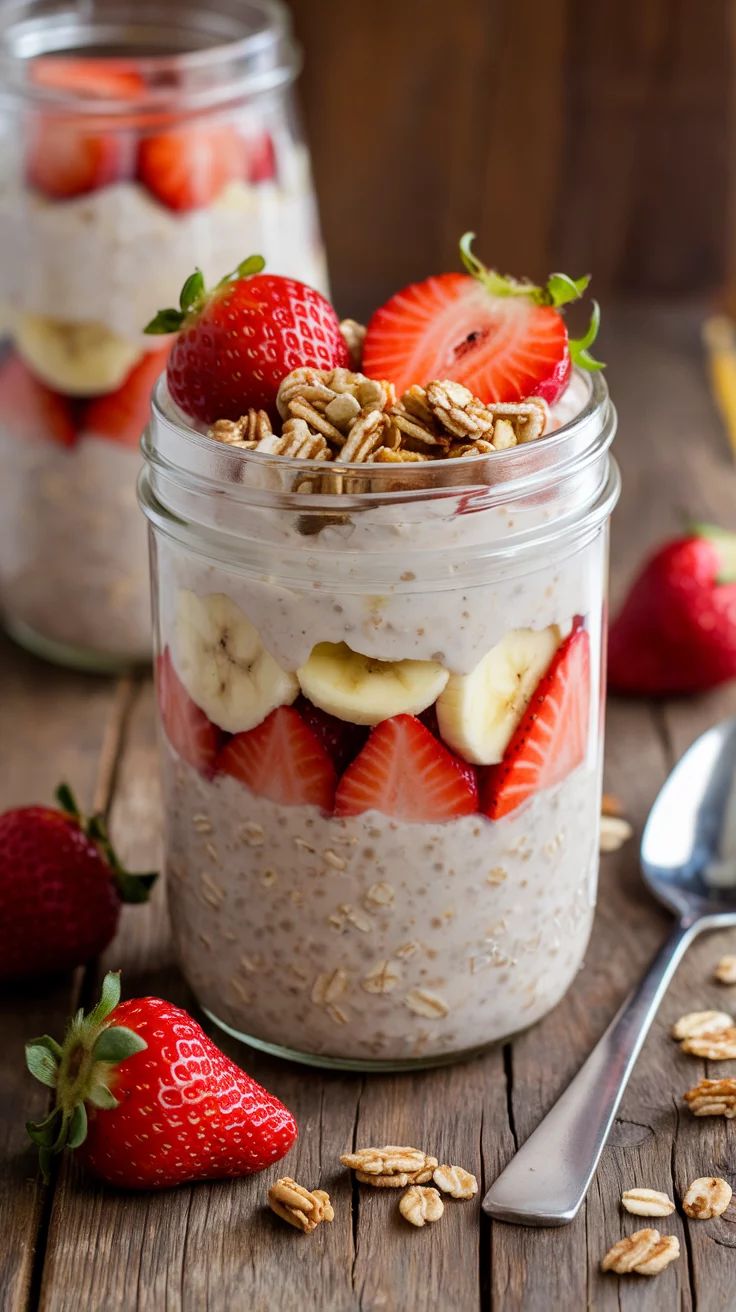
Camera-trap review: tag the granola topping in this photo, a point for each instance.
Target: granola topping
(418, 1205)
(713, 1098)
(646, 1252)
(647, 1202)
(707, 1197)
(300, 1207)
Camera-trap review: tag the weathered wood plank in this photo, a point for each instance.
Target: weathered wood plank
(53, 725)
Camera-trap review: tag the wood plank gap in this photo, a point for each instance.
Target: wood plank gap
(484, 1241)
(354, 1186)
(658, 712)
(112, 743)
(508, 1070)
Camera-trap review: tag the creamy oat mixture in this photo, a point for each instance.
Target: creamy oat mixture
(368, 938)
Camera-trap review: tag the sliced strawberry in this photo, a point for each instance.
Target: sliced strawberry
(405, 773)
(551, 739)
(341, 740)
(187, 728)
(501, 347)
(103, 79)
(260, 158)
(281, 759)
(187, 169)
(64, 160)
(122, 415)
(30, 410)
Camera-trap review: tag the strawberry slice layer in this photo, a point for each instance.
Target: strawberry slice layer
(187, 728)
(122, 415)
(551, 739)
(282, 760)
(188, 168)
(503, 348)
(403, 772)
(30, 410)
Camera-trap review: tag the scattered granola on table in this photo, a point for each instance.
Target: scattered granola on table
(701, 1022)
(715, 1045)
(713, 1098)
(455, 1181)
(614, 832)
(390, 1167)
(644, 1253)
(725, 971)
(300, 1207)
(707, 1197)
(419, 1205)
(647, 1202)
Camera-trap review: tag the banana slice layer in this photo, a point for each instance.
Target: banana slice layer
(78, 359)
(223, 664)
(478, 712)
(366, 691)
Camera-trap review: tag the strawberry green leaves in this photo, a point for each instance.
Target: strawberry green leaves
(558, 291)
(725, 543)
(79, 1069)
(194, 295)
(130, 887)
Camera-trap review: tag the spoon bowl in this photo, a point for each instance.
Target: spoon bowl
(688, 860)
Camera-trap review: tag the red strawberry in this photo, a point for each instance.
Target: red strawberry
(187, 728)
(123, 414)
(281, 759)
(29, 409)
(676, 631)
(405, 773)
(102, 79)
(188, 168)
(260, 158)
(61, 888)
(503, 339)
(341, 740)
(148, 1101)
(551, 739)
(237, 342)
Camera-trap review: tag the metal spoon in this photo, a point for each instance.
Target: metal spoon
(688, 859)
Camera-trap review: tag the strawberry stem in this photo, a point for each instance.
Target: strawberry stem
(130, 887)
(726, 544)
(79, 1070)
(194, 294)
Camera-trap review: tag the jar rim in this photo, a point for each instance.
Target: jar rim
(222, 51)
(188, 456)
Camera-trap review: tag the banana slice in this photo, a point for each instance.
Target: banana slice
(478, 712)
(78, 359)
(223, 664)
(366, 691)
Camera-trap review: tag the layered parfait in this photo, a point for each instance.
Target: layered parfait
(107, 201)
(381, 798)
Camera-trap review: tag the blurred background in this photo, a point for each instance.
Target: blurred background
(573, 135)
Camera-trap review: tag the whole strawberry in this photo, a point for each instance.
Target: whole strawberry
(147, 1101)
(238, 341)
(676, 631)
(61, 888)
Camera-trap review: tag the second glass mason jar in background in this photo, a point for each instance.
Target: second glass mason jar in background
(138, 142)
(413, 908)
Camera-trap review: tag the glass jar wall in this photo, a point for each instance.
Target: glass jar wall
(138, 142)
(381, 735)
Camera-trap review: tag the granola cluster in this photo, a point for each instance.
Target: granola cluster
(341, 416)
(412, 1170)
(303, 1208)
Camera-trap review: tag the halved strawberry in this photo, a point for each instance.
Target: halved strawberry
(187, 168)
(102, 79)
(186, 726)
(403, 772)
(281, 759)
(341, 740)
(122, 415)
(64, 160)
(29, 410)
(551, 739)
(502, 338)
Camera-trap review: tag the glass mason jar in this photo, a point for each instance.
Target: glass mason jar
(387, 916)
(137, 141)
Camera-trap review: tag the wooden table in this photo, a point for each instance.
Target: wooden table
(82, 1248)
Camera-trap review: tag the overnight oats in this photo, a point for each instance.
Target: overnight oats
(379, 566)
(128, 156)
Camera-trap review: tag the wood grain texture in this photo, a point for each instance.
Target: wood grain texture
(567, 135)
(52, 729)
(216, 1247)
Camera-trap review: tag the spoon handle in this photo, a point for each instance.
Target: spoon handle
(547, 1180)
